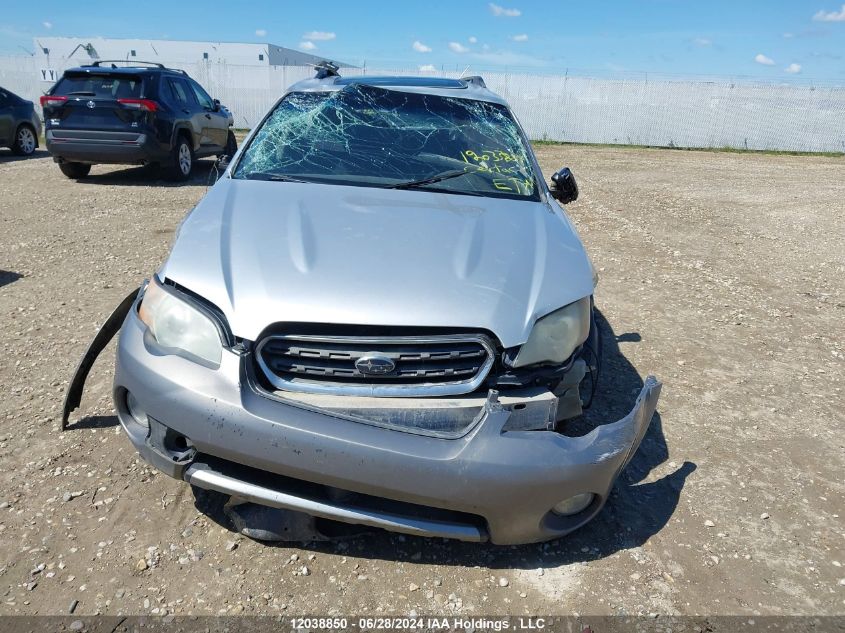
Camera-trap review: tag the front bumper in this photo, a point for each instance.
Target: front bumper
(488, 485)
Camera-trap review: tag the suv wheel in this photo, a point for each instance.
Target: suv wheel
(25, 141)
(75, 170)
(183, 159)
(231, 145)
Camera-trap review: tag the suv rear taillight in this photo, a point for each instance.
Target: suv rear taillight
(147, 105)
(48, 100)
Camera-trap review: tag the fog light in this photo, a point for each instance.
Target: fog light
(573, 505)
(135, 410)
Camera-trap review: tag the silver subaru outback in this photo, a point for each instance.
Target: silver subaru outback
(379, 315)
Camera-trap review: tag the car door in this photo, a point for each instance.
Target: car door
(182, 99)
(6, 117)
(216, 121)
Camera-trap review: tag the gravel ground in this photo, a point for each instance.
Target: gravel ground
(720, 273)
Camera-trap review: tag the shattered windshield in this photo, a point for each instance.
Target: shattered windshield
(367, 136)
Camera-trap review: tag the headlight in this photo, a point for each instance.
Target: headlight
(176, 324)
(556, 335)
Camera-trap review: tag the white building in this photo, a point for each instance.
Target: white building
(66, 51)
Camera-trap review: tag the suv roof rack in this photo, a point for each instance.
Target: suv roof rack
(124, 61)
(327, 69)
(475, 80)
(132, 64)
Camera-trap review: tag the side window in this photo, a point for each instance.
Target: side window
(202, 96)
(4, 98)
(177, 91)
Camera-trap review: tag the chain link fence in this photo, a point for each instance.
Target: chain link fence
(623, 110)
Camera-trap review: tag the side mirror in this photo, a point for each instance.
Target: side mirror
(216, 105)
(564, 188)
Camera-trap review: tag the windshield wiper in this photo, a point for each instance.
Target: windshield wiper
(258, 175)
(446, 175)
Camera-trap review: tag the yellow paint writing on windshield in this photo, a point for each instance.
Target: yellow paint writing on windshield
(501, 163)
(523, 186)
(496, 155)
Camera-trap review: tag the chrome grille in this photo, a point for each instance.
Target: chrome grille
(343, 365)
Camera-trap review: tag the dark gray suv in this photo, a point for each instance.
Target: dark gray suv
(19, 125)
(136, 115)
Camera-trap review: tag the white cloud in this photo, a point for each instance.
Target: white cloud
(522, 37)
(830, 16)
(307, 45)
(762, 59)
(420, 47)
(428, 68)
(499, 11)
(788, 36)
(456, 47)
(702, 41)
(793, 69)
(320, 36)
(473, 40)
(47, 25)
(261, 32)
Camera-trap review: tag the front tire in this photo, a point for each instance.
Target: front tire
(183, 159)
(25, 141)
(75, 170)
(231, 145)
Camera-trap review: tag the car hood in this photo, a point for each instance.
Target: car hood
(266, 252)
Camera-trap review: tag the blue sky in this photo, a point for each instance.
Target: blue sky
(775, 39)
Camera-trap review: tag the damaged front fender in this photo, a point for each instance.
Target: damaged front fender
(98, 344)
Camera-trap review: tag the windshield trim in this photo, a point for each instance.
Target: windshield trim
(312, 180)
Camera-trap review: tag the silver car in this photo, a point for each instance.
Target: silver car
(379, 315)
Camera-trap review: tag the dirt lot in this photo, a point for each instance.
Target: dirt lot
(720, 273)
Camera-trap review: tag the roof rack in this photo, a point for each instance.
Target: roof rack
(327, 69)
(132, 63)
(475, 80)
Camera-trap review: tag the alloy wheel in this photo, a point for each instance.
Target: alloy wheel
(26, 140)
(185, 158)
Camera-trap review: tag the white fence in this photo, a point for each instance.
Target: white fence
(626, 111)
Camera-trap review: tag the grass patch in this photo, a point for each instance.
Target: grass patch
(723, 150)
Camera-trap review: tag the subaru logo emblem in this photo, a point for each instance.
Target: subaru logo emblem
(374, 364)
(91, 104)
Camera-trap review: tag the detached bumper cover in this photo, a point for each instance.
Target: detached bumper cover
(278, 454)
(95, 347)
